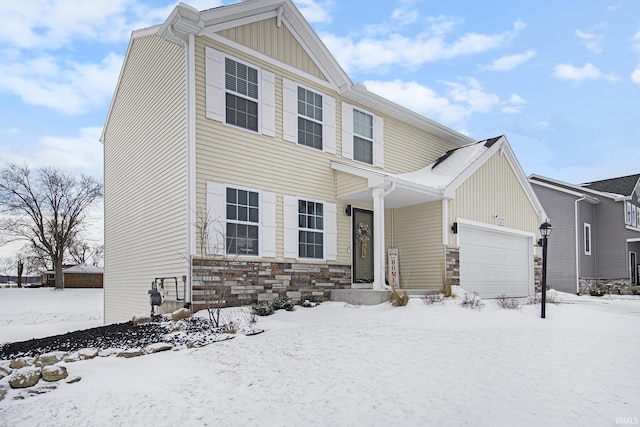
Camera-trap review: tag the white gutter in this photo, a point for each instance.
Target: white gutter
(578, 243)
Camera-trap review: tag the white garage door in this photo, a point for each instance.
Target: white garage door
(494, 263)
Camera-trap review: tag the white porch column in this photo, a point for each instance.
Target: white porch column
(378, 238)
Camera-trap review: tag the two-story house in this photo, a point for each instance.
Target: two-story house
(596, 235)
(238, 118)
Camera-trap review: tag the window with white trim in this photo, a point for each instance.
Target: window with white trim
(309, 118)
(587, 239)
(362, 137)
(241, 94)
(238, 93)
(243, 219)
(310, 229)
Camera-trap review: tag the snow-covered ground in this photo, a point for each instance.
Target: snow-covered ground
(344, 365)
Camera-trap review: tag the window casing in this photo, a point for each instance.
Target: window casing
(587, 239)
(310, 229)
(310, 118)
(242, 221)
(362, 137)
(241, 94)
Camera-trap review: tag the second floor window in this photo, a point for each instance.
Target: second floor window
(362, 137)
(309, 118)
(241, 97)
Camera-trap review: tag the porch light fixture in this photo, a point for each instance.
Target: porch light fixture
(545, 232)
(347, 210)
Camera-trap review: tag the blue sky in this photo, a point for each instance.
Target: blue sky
(561, 79)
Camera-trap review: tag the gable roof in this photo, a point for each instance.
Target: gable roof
(623, 185)
(592, 195)
(185, 20)
(440, 179)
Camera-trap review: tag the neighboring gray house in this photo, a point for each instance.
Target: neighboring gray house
(596, 231)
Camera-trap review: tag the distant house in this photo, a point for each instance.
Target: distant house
(78, 276)
(240, 113)
(596, 231)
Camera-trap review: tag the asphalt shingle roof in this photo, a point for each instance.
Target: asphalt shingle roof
(623, 185)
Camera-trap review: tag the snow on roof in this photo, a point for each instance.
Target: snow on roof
(84, 268)
(449, 166)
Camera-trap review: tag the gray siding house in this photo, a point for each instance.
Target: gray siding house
(596, 236)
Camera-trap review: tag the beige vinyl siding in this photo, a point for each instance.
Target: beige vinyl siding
(278, 43)
(347, 184)
(145, 177)
(417, 233)
(407, 149)
(493, 192)
(240, 157)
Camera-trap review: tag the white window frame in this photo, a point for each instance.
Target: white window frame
(290, 116)
(291, 229)
(348, 135)
(313, 230)
(217, 210)
(627, 216)
(634, 214)
(587, 239)
(257, 224)
(215, 94)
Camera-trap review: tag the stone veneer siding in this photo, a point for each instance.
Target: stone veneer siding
(452, 260)
(238, 283)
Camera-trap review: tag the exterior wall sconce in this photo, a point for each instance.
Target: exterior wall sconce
(454, 228)
(347, 210)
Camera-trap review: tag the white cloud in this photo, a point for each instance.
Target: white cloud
(593, 39)
(77, 154)
(579, 75)
(371, 53)
(315, 11)
(452, 108)
(508, 63)
(68, 87)
(514, 105)
(543, 125)
(635, 76)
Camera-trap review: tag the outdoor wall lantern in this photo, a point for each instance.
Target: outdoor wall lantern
(545, 232)
(347, 210)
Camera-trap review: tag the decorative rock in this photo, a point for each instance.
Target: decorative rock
(88, 353)
(182, 313)
(73, 380)
(131, 352)
(73, 357)
(54, 373)
(3, 392)
(24, 377)
(157, 347)
(177, 326)
(21, 362)
(4, 371)
(52, 358)
(110, 352)
(42, 389)
(140, 319)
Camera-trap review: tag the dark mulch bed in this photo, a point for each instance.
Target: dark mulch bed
(118, 335)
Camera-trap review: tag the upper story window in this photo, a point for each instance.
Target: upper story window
(632, 215)
(241, 85)
(239, 94)
(362, 136)
(311, 226)
(587, 239)
(308, 117)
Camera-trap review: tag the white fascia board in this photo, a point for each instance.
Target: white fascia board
(577, 188)
(587, 198)
(493, 227)
(357, 171)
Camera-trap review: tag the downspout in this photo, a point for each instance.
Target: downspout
(578, 243)
(190, 160)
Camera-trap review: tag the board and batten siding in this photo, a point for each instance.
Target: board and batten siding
(493, 193)
(276, 42)
(417, 233)
(145, 177)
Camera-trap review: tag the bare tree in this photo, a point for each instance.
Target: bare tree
(46, 207)
(81, 252)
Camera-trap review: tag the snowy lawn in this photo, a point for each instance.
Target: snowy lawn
(344, 365)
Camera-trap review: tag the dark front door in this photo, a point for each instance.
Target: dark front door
(633, 268)
(362, 246)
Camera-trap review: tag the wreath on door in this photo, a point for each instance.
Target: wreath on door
(363, 235)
